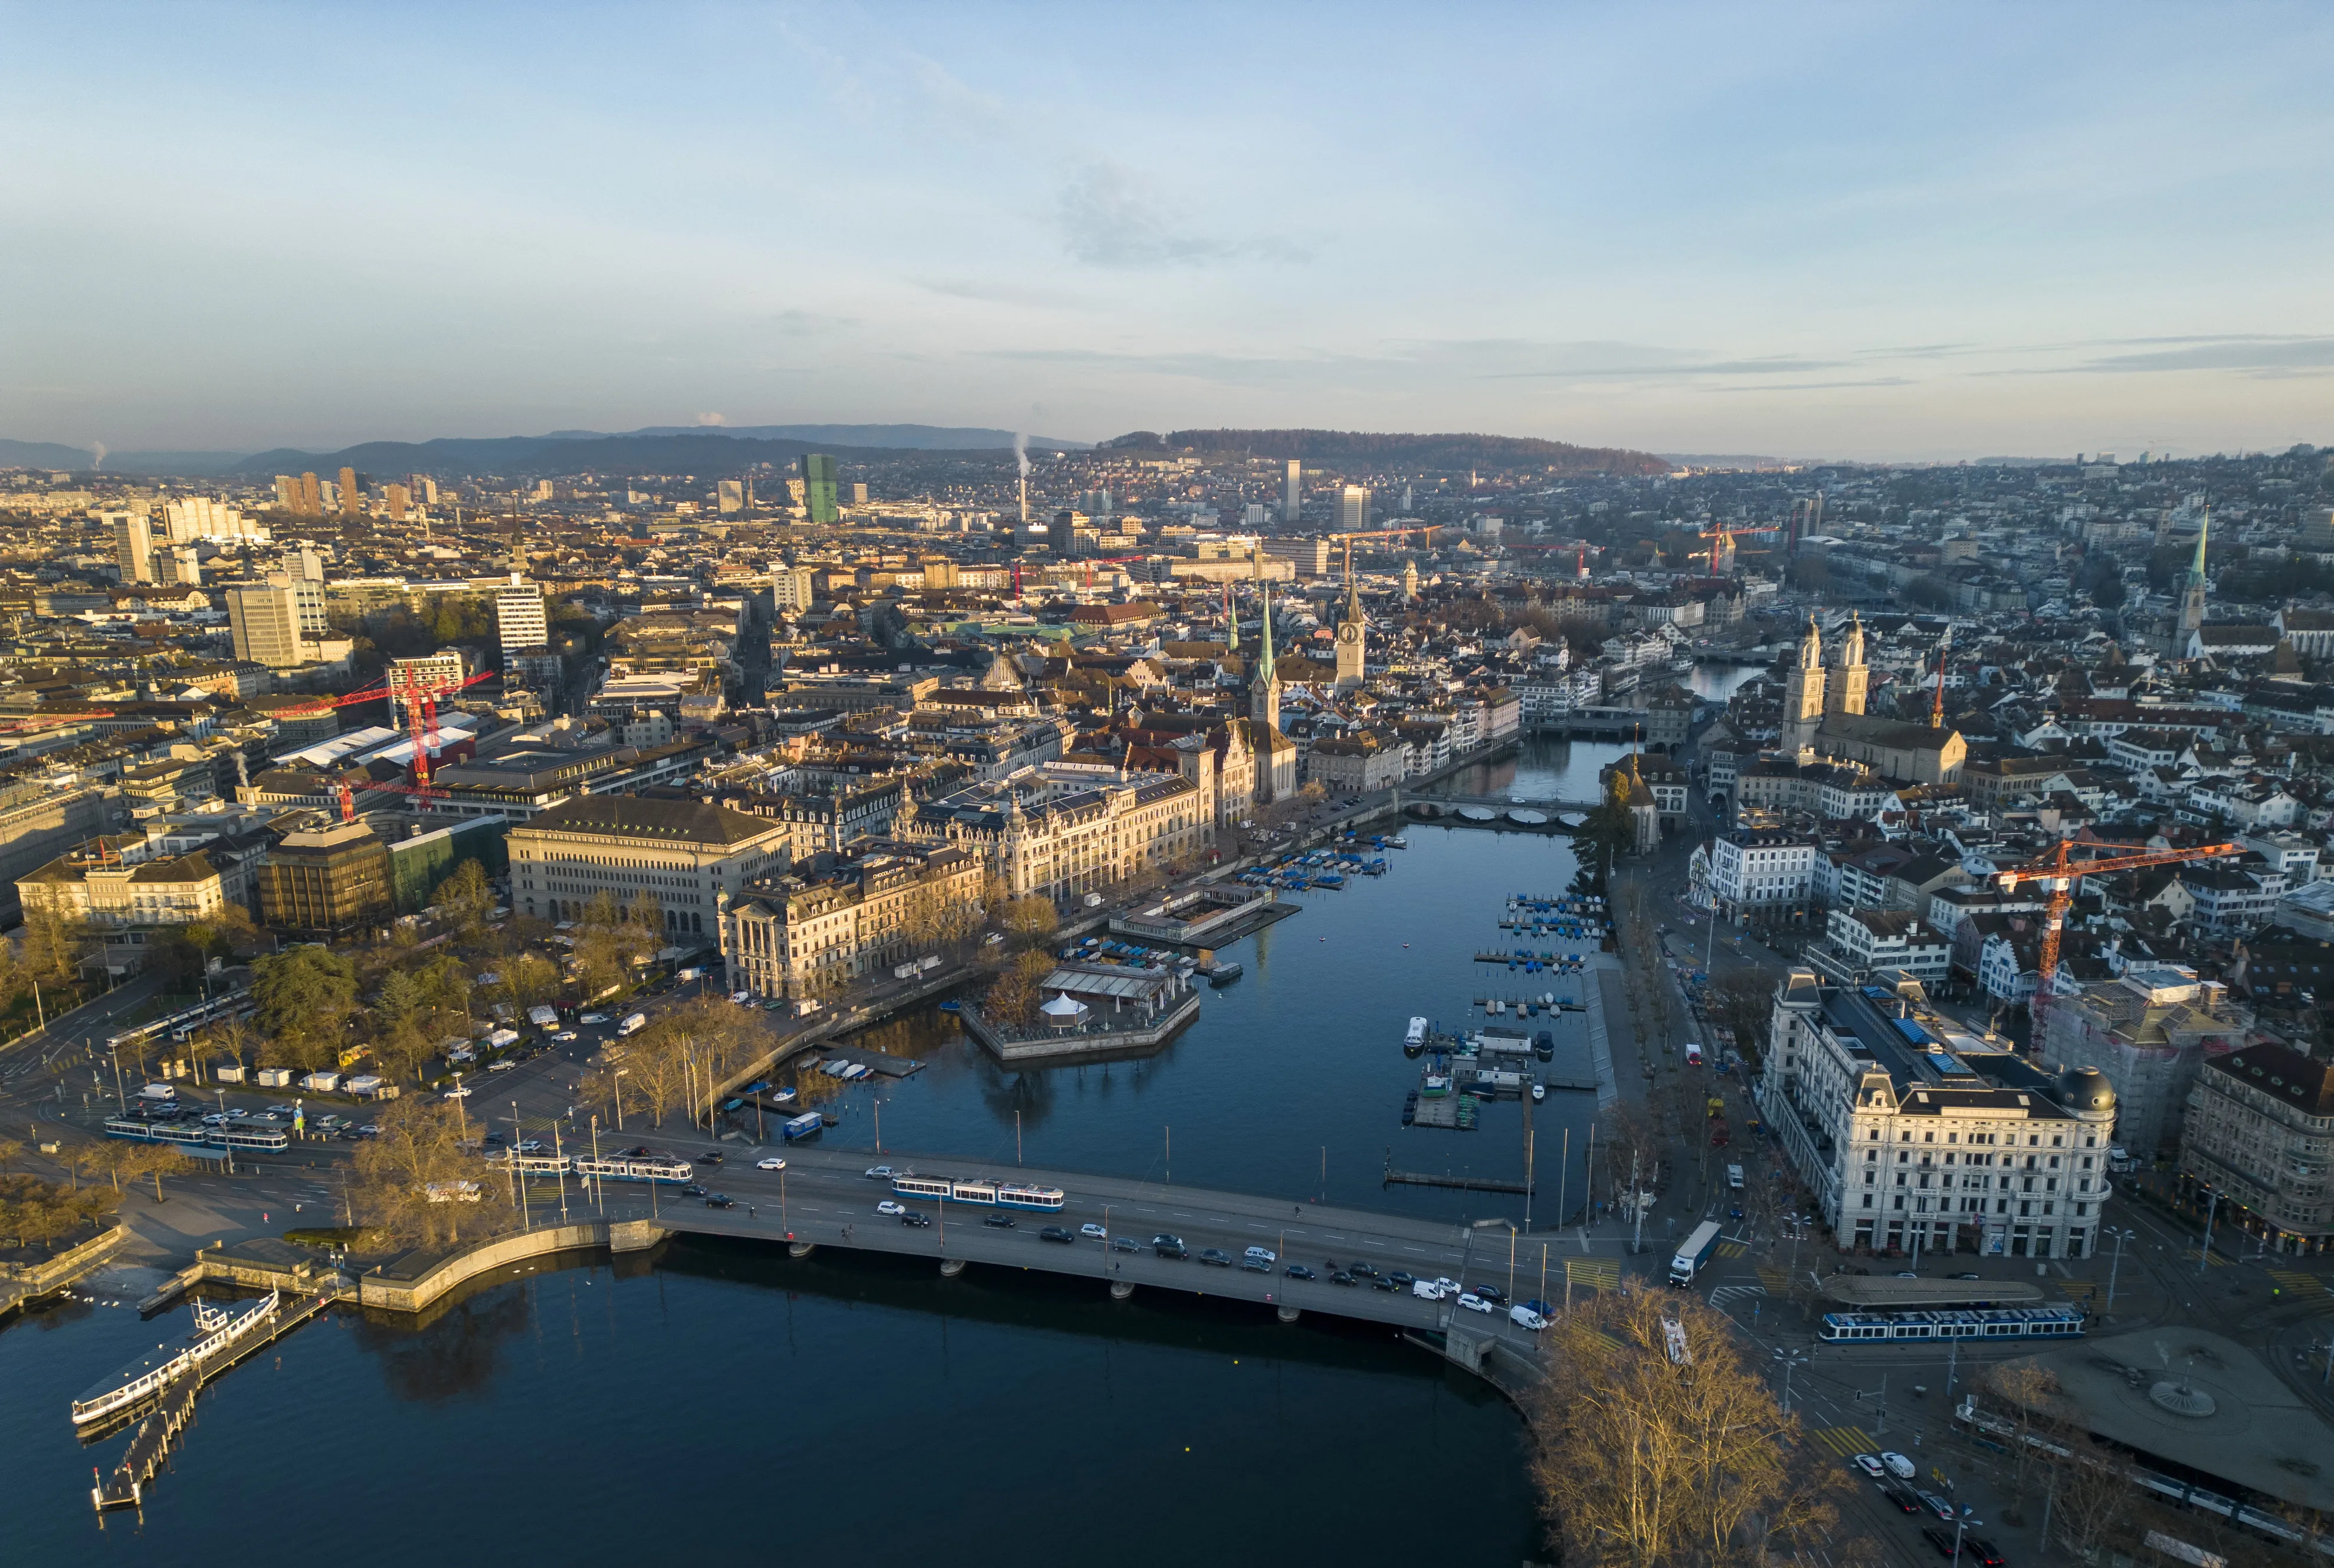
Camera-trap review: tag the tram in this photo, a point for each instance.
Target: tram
(979, 1190)
(1988, 1324)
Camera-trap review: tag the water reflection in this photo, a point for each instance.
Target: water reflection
(455, 1357)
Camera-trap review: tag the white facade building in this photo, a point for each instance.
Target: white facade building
(1762, 871)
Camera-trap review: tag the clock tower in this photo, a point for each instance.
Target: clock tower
(1352, 631)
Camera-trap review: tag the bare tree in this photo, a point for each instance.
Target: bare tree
(416, 1184)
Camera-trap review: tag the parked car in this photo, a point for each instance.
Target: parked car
(1093, 1232)
(888, 1207)
(769, 1162)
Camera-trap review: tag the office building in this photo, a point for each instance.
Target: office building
(519, 619)
(325, 882)
(1354, 508)
(818, 488)
(729, 496)
(1291, 501)
(688, 856)
(1062, 535)
(817, 929)
(265, 625)
(1914, 1134)
(859, 495)
(432, 678)
(133, 546)
(312, 496)
(2150, 1032)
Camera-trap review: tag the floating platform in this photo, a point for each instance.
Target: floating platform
(1464, 1183)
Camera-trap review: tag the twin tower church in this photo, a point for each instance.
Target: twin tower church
(1824, 719)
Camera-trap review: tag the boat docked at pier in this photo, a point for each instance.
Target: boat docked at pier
(217, 1334)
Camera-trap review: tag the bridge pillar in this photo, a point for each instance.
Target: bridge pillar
(1288, 1314)
(1120, 1290)
(950, 1268)
(798, 1249)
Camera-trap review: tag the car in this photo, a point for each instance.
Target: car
(1542, 1308)
(997, 1221)
(1937, 1506)
(1339, 1276)
(1056, 1233)
(1474, 1302)
(1524, 1317)
(1358, 1267)
(879, 1173)
(910, 1216)
(769, 1162)
(590, 1017)
(740, 998)
(1734, 1212)
(1256, 1265)
(370, 1129)
(494, 1140)
(888, 1207)
(1381, 1282)
(1870, 1465)
(1943, 1540)
(216, 1119)
(692, 1190)
(504, 1065)
(1899, 1466)
(1298, 1271)
(1093, 1232)
(1402, 1281)
(1493, 1294)
(1977, 1549)
(460, 1091)
(1170, 1246)
(1215, 1257)
(719, 1200)
(1966, 1273)
(1125, 1244)
(1906, 1273)
(532, 1146)
(1905, 1502)
(566, 1037)
(1263, 1255)
(712, 1157)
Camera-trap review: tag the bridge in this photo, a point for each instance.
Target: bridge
(1452, 810)
(1613, 723)
(824, 1198)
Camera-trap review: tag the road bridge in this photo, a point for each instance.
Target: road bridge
(824, 1198)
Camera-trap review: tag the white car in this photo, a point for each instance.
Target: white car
(504, 1065)
(879, 1173)
(1870, 1465)
(1091, 1230)
(888, 1207)
(772, 1163)
(565, 1036)
(1474, 1302)
(1524, 1317)
(1263, 1255)
(460, 1091)
(740, 998)
(1903, 1468)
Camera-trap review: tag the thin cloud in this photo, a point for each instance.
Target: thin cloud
(1111, 216)
(1820, 386)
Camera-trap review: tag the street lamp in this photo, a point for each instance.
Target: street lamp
(2116, 1262)
(1788, 1360)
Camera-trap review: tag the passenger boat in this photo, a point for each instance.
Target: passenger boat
(216, 1333)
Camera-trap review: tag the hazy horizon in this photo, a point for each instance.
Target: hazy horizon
(1908, 233)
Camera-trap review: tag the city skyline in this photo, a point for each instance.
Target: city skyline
(1915, 233)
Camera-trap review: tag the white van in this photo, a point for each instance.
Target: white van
(1426, 1289)
(1734, 1177)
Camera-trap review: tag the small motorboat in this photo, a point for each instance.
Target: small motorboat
(1540, 1092)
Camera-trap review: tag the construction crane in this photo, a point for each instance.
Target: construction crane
(2058, 875)
(421, 689)
(1720, 537)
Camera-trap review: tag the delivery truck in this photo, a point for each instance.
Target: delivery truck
(633, 1024)
(1696, 1253)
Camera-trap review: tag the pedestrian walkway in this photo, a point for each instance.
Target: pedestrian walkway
(1732, 1249)
(1775, 1280)
(1596, 1273)
(1844, 1441)
(2307, 1286)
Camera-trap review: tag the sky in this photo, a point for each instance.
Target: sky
(1865, 231)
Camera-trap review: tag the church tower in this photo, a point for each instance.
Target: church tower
(1351, 629)
(1264, 687)
(1408, 581)
(2192, 597)
(1846, 694)
(1803, 694)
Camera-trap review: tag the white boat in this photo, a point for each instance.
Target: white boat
(217, 1333)
(1540, 1092)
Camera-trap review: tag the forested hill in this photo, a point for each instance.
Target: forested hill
(1360, 449)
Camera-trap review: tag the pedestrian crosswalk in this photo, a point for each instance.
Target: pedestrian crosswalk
(1843, 1440)
(1775, 1280)
(1731, 1249)
(2292, 1283)
(1596, 1273)
(2077, 1290)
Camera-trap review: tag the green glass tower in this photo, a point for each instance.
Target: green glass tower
(818, 488)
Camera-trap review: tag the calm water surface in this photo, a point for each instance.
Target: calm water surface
(861, 1410)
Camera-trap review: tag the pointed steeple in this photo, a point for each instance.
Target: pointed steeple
(2196, 567)
(1264, 671)
(1231, 618)
(1264, 687)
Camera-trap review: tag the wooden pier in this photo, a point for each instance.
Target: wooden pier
(1464, 1183)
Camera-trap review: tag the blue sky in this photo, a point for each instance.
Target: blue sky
(1915, 232)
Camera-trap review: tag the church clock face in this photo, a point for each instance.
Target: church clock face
(1349, 633)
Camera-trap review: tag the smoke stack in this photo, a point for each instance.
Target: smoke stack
(1021, 460)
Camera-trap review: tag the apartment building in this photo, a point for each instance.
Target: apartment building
(824, 924)
(1915, 1135)
(1859, 942)
(2260, 1134)
(685, 854)
(1761, 873)
(2150, 1032)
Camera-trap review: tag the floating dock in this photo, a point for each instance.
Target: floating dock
(1464, 1183)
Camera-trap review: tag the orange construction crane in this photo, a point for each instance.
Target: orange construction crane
(1721, 538)
(421, 691)
(2058, 875)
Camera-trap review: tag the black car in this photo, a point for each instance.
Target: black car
(1125, 1244)
(1359, 1267)
(1256, 1265)
(1943, 1540)
(1382, 1282)
(1492, 1293)
(1170, 1246)
(997, 1221)
(920, 1221)
(1968, 1274)
(692, 1190)
(1978, 1550)
(1056, 1233)
(1340, 1276)
(1209, 1255)
(1905, 1502)
(1298, 1271)
(492, 1139)
(710, 1157)
(1400, 1280)
(719, 1200)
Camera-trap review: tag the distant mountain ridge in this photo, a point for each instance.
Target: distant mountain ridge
(1359, 449)
(707, 455)
(906, 438)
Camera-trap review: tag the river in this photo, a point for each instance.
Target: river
(865, 1411)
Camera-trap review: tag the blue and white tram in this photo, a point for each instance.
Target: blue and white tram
(232, 1135)
(978, 1190)
(1987, 1324)
(636, 1168)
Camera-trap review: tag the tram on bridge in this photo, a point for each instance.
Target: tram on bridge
(980, 1190)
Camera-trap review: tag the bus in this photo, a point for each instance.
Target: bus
(1984, 1324)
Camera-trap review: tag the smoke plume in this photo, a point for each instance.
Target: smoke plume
(1021, 452)
(97, 453)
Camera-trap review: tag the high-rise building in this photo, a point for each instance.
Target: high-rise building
(1292, 505)
(1062, 536)
(312, 497)
(790, 586)
(729, 495)
(180, 564)
(264, 624)
(399, 499)
(349, 507)
(818, 488)
(1354, 508)
(133, 546)
(858, 494)
(287, 493)
(519, 619)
